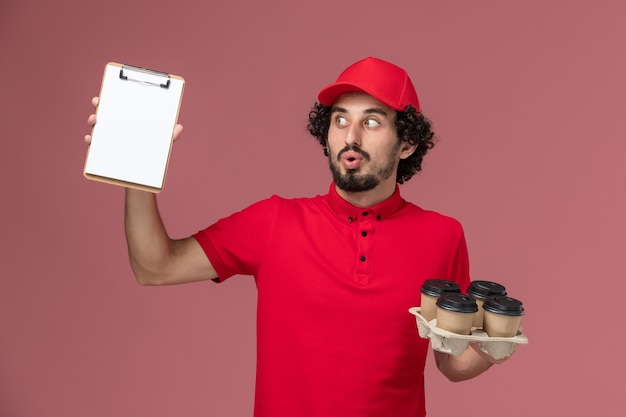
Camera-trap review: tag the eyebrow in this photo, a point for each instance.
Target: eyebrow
(373, 110)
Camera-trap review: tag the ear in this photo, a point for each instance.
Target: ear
(407, 150)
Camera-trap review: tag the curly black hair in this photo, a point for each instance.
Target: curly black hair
(411, 126)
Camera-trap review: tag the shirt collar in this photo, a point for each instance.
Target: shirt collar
(350, 212)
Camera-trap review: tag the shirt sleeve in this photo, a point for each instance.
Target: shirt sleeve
(236, 244)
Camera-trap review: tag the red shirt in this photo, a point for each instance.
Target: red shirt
(335, 282)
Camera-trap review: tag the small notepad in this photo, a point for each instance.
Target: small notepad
(136, 116)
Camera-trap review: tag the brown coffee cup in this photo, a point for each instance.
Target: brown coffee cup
(455, 312)
(431, 290)
(480, 291)
(502, 316)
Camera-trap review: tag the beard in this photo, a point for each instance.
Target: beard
(353, 180)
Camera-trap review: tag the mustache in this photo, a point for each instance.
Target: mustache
(353, 148)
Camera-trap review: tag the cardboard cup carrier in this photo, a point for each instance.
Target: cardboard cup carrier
(449, 319)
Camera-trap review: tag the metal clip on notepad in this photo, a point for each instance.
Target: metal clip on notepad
(145, 76)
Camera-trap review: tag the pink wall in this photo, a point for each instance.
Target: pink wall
(528, 99)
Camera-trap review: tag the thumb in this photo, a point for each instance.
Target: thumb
(178, 129)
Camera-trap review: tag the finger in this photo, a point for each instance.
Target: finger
(178, 130)
(95, 101)
(91, 120)
(88, 139)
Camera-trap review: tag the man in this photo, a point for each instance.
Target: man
(336, 273)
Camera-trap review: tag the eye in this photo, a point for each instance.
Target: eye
(372, 123)
(341, 121)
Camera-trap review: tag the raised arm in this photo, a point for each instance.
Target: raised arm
(155, 258)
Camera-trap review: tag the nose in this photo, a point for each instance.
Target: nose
(353, 136)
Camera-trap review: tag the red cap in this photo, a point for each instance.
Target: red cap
(382, 80)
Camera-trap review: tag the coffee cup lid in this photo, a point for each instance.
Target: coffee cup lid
(504, 305)
(457, 302)
(436, 287)
(483, 289)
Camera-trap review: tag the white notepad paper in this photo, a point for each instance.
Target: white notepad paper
(136, 116)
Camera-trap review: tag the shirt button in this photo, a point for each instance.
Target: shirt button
(378, 217)
(365, 213)
(362, 258)
(350, 219)
(363, 233)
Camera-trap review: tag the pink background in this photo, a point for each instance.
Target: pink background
(528, 99)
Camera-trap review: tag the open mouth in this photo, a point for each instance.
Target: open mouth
(351, 159)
